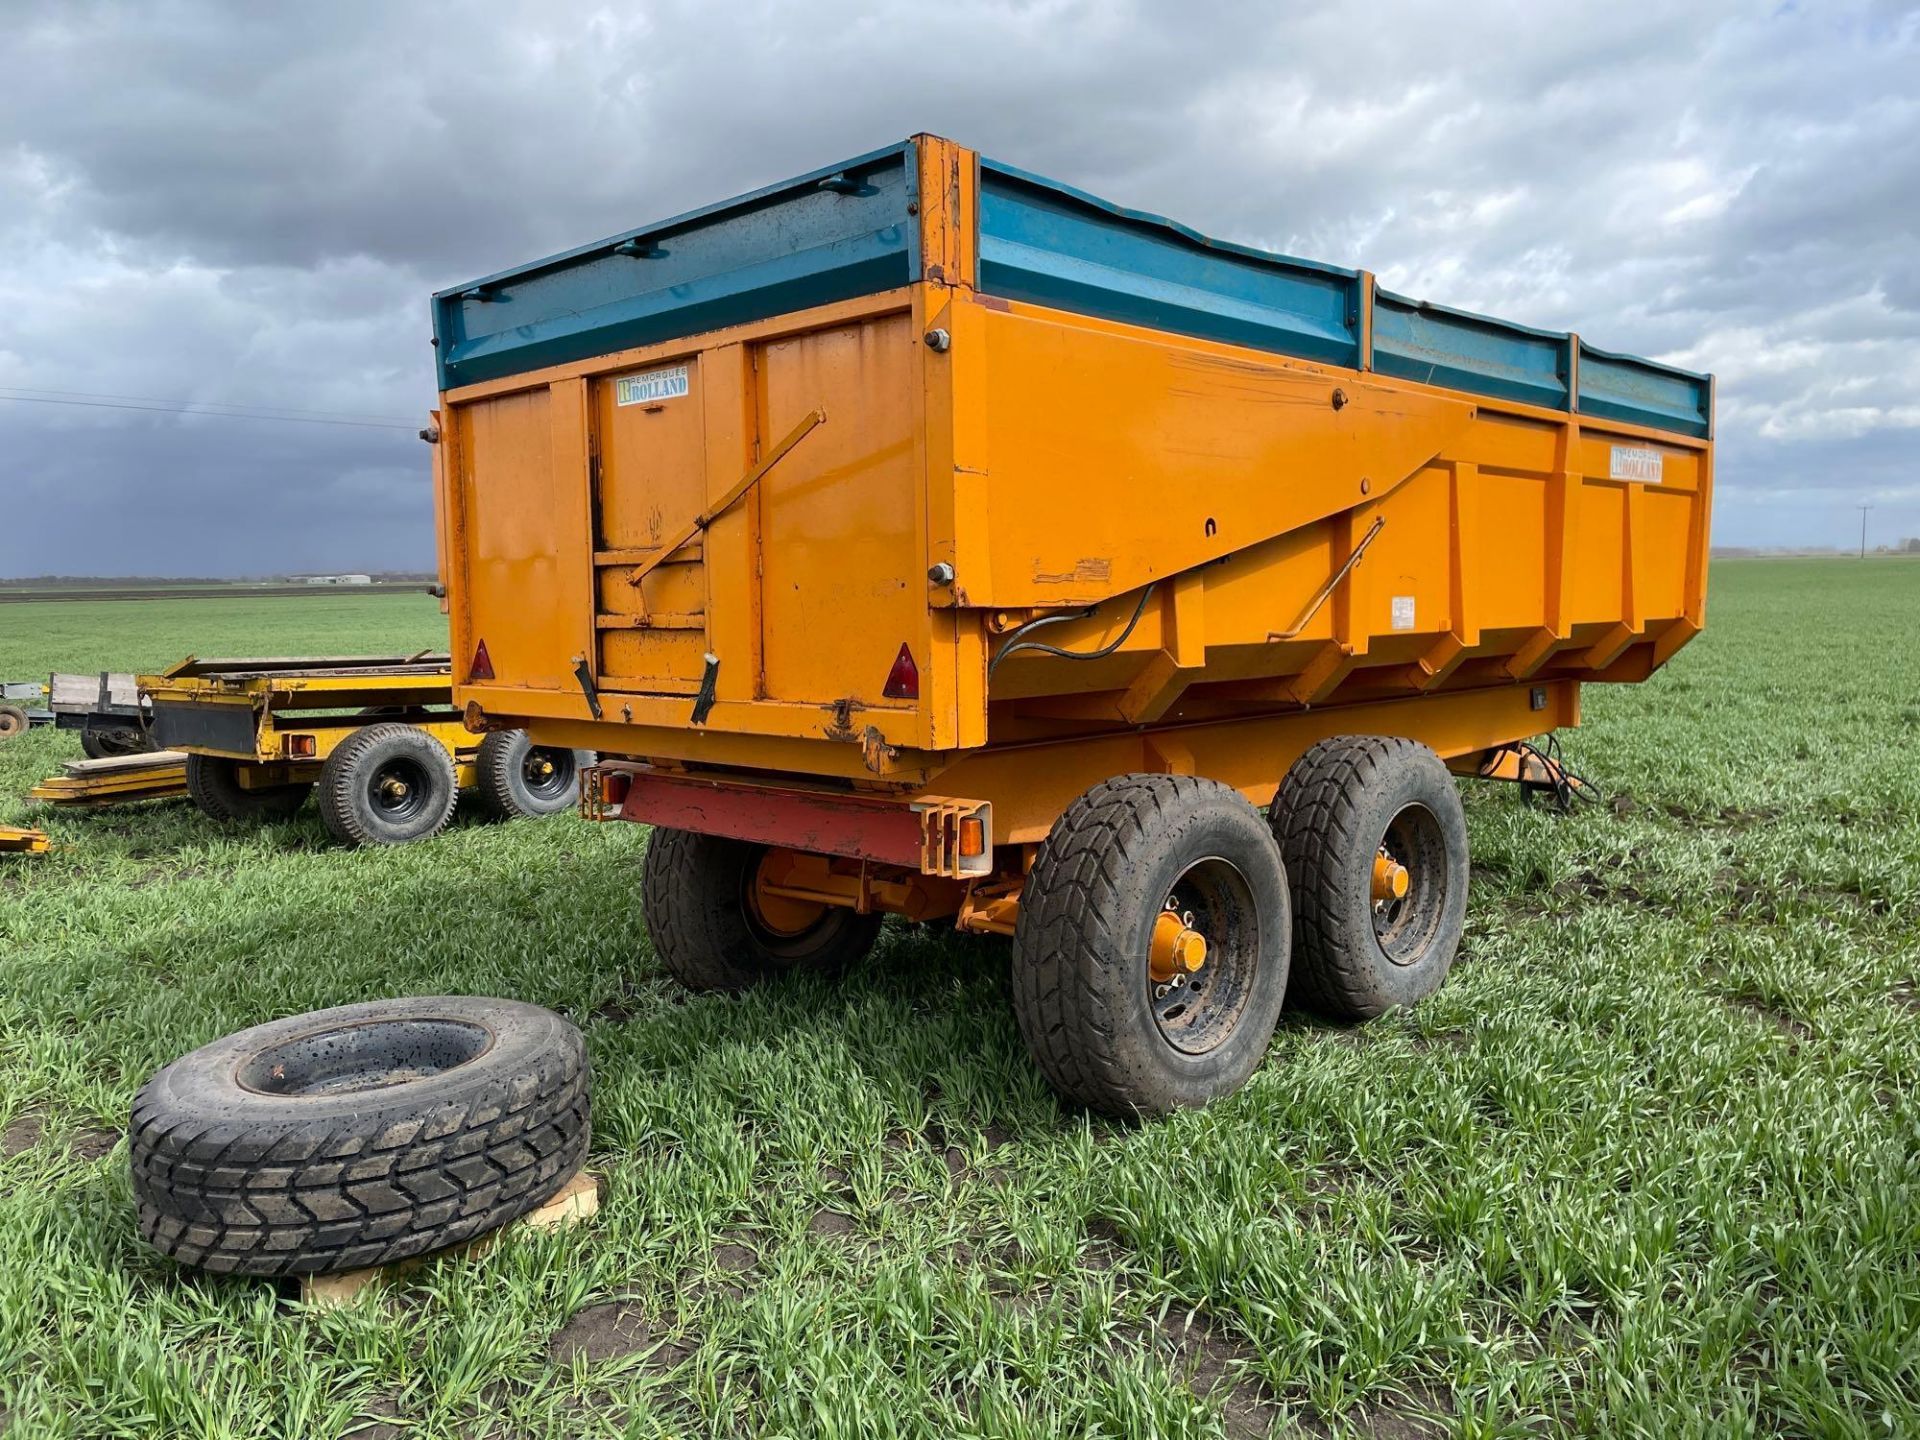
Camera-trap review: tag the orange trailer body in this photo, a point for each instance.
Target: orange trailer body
(1261, 548)
(922, 536)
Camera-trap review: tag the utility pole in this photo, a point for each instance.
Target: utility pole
(1863, 530)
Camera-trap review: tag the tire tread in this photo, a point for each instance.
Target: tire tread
(214, 787)
(281, 1201)
(338, 780)
(1069, 967)
(689, 889)
(1318, 802)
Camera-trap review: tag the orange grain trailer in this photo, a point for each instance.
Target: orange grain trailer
(925, 537)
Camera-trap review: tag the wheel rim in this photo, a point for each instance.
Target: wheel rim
(778, 917)
(546, 771)
(370, 1056)
(1203, 956)
(400, 790)
(120, 742)
(1407, 914)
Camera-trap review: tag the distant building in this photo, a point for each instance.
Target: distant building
(332, 579)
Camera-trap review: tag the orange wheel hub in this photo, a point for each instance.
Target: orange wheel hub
(1391, 879)
(1174, 950)
(782, 914)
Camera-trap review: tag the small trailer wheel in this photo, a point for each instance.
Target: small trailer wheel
(13, 721)
(1375, 841)
(213, 783)
(387, 784)
(711, 930)
(108, 742)
(1150, 956)
(518, 777)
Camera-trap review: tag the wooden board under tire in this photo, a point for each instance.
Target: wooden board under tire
(116, 780)
(573, 1202)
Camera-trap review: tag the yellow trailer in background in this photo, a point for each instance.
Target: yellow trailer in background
(927, 537)
(376, 736)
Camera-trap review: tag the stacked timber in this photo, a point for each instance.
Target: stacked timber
(116, 780)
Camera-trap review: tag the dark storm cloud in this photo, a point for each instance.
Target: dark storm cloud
(249, 204)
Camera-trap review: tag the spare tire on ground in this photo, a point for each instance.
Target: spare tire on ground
(360, 1135)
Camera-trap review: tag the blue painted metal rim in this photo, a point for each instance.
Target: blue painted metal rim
(751, 200)
(1148, 217)
(697, 304)
(1466, 378)
(1589, 348)
(1462, 376)
(1492, 322)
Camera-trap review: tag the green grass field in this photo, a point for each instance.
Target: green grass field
(1648, 1165)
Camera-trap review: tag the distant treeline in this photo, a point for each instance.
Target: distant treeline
(1813, 552)
(121, 582)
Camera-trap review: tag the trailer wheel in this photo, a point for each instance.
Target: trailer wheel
(358, 1136)
(213, 783)
(518, 777)
(387, 784)
(712, 933)
(106, 742)
(1375, 841)
(13, 721)
(1150, 956)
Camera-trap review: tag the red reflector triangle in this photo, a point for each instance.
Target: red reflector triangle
(903, 681)
(482, 667)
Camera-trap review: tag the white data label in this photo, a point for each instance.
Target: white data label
(650, 387)
(1635, 462)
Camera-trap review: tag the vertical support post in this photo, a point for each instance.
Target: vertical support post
(1693, 601)
(949, 181)
(731, 544)
(953, 424)
(458, 576)
(1363, 318)
(1335, 660)
(1182, 654)
(1463, 627)
(1562, 487)
(442, 503)
(1611, 646)
(569, 429)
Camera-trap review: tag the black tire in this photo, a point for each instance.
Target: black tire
(388, 784)
(1346, 798)
(213, 782)
(358, 1136)
(1082, 992)
(518, 778)
(13, 721)
(697, 891)
(107, 742)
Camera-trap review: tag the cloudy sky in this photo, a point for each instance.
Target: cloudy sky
(245, 206)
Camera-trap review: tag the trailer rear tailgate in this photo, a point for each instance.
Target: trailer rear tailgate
(751, 507)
